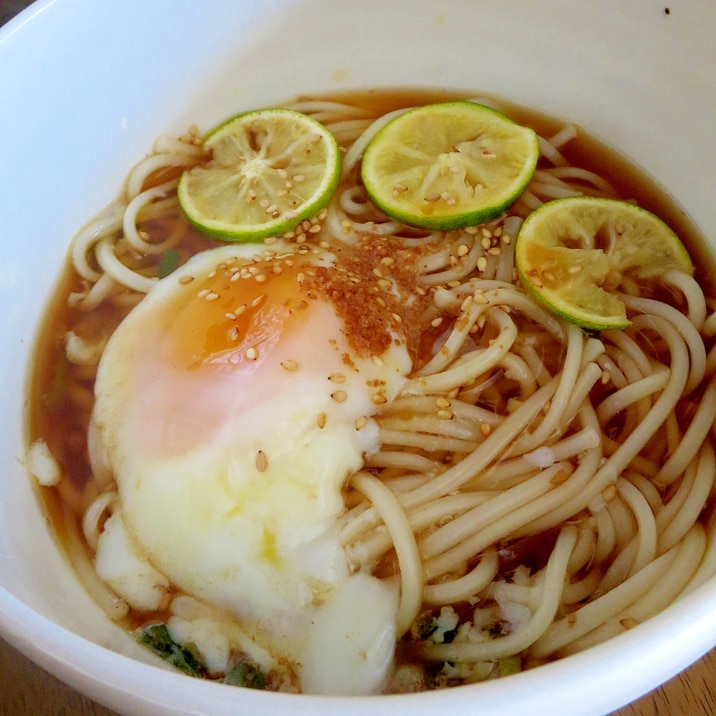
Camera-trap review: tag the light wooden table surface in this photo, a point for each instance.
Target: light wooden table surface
(27, 690)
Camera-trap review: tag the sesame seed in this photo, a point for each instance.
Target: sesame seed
(436, 321)
(186, 279)
(234, 333)
(337, 378)
(498, 232)
(495, 251)
(506, 239)
(445, 415)
(463, 250)
(321, 420)
(481, 299)
(230, 316)
(609, 493)
(340, 396)
(252, 354)
(271, 209)
(258, 300)
(485, 429)
(378, 398)
(211, 274)
(261, 461)
(289, 365)
(203, 293)
(384, 283)
(316, 229)
(481, 263)
(387, 261)
(432, 197)
(361, 422)
(485, 243)
(396, 317)
(442, 403)
(211, 296)
(261, 278)
(377, 361)
(238, 311)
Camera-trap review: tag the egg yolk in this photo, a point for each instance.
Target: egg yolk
(236, 315)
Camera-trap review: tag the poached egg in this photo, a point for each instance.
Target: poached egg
(231, 408)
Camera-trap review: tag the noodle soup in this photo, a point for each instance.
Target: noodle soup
(523, 487)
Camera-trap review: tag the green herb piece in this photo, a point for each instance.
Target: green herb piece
(169, 263)
(185, 658)
(246, 674)
(426, 625)
(509, 665)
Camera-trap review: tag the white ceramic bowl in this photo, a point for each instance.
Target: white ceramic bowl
(84, 89)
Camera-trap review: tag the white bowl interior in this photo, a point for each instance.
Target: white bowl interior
(87, 86)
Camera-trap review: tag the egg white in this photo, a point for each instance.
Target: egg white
(230, 485)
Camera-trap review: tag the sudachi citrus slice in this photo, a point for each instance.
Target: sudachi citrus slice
(573, 254)
(269, 169)
(448, 165)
